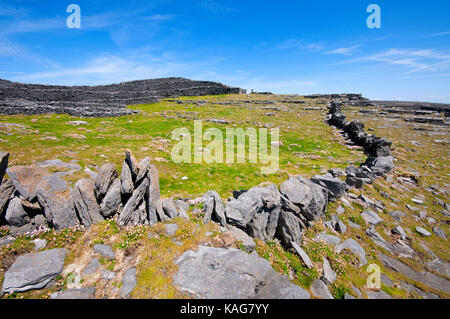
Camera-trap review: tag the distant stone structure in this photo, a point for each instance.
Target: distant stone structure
(101, 100)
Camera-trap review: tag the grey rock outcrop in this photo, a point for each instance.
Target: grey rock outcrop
(105, 177)
(111, 202)
(79, 293)
(128, 282)
(4, 156)
(15, 214)
(85, 203)
(211, 273)
(34, 270)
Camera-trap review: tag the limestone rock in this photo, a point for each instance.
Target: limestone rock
(85, 203)
(34, 270)
(218, 273)
(15, 214)
(320, 290)
(112, 200)
(105, 177)
(128, 282)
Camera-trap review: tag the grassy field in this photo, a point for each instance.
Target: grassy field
(308, 146)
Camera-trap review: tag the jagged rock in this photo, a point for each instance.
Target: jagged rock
(78, 293)
(329, 276)
(264, 223)
(214, 209)
(208, 209)
(139, 216)
(290, 228)
(398, 230)
(143, 168)
(308, 196)
(15, 214)
(335, 186)
(153, 199)
(128, 282)
(112, 200)
(105, 177)
(54, 197)
(340, 227)
(303, 255)
(329, 239)
(26, 180)
(247, 242)
(218, 273)
(133, 203)
(355, 182)
(355, 248)
(132, 164)
(439, 232)
(425, 278)
(380, 165)
(348, 296)
(4, 156)
(104, 250)
(320, 290)
(169, 208)
(34, 270)
(85, 203)
(126, 180)
(256, 210)
(371, 217)
(6, 190)
(423, 231)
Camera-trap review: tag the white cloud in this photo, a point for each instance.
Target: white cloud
(344, 51)
(437, 34)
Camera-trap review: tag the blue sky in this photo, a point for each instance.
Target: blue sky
(297, 46)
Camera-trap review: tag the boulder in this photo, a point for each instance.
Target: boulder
(112, 200)
(6, 190)
(105, 177)
(133, 203)
(320, 290)
(171, 229)
(289, 229)
(132, 164)
(143, 168)
(303, 255)
(85, 203)
(371, 217)
(153, 198)
(264, 223)
(34, 270)
(4, 156)
(54, 197)
(93, 266)
(15, 214)
(335, 186)
(309, 197)
(439, 232)
(423, 231)
(169, 208)
(329, 239)
(219, 273)
(380, 165)
(126, 180)
(398, 230)
(215, 209)
(182, 208)
(26, 180)
(356, 248)
(329, 276)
